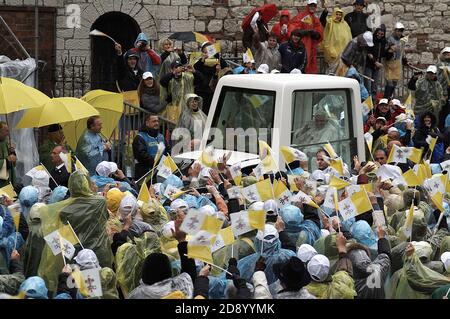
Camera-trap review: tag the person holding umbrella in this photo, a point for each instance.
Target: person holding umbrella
(307, 21)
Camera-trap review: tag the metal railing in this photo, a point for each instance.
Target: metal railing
(132, 120)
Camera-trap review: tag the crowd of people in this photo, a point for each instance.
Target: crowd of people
(314, 229)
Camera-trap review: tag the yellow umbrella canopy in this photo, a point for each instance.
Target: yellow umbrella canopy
(58, 110)
(16, 96)
(110, 107)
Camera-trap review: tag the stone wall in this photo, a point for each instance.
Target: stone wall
(426, 21)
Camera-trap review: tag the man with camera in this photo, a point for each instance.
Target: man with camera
(8, 158)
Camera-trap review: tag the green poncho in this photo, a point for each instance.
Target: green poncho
(88, 216)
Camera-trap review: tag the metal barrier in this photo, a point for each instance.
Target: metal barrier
(132, 120)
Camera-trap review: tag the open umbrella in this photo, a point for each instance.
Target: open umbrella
(16, 96)
(110, 107)
(191, 37)
(58, 110)
(267, 11)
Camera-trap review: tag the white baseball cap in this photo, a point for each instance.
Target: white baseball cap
(269, 235)
(274, 71)
(368, 36)
(305, 252)
(311, 2)
(445, 258)
(167, 229)
(296, 71)
(147, 75)
(319, 267)
(256, 206)
(384, 101)
(397, 102)
(399, 25)
(178, 203)
(271, 207)
(106, 168)
(445, 50)
(432, 69)
(263, 68)
(392, 129)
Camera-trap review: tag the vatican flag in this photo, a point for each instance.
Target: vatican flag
(338, 183)
(244, 221)
(260, 191)
(196, 221)
(291, 154)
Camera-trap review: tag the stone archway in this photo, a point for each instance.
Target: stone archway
(77, 42)
(104, 60)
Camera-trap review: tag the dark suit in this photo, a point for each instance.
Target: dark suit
(61, 176)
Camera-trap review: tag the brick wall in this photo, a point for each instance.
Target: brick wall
(22, 23)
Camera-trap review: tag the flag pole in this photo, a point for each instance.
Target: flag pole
(49, 174)
(62, 249)
(137, 182)
(213, 265)
(75, 234)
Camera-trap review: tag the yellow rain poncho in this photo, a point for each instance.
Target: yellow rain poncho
(113, 198)
(129, 260)
(336, 36)
(341, 286)
(88, 216)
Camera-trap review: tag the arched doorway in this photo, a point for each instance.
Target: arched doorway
(122, 28)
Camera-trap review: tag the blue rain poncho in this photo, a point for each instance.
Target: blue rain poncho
(292, 217)
(102, 181)
(309, 233)
(363, 234)
(34, 287)
(8, 223)
(58, 194)
(28, 197)
(272, 252)
(7, 246)
(90, 150)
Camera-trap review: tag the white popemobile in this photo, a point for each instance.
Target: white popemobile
(301, 111)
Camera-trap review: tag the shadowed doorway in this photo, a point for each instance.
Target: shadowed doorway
(122, 28)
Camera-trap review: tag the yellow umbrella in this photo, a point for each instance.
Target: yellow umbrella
(110, 107)
(58, 110)
(16, 96)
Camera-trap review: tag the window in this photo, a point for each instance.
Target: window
(242, 117)
(320, 117)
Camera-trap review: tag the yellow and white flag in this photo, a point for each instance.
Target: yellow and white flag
(9, 191)
(225, 237)
(305, 199)
(369, 141)
(408, 103)
(62, 240)
(282, 193)
(409, 178)
(355, 205)
(207, 158)
(413, 154)
(80, 167)
(144, 194)
(291, 154)
(246, 221)
(384, 140)
(166, 167)
(248, 56)
(329, 198)
(330, 150)
(31, 173)
(338, 183)
(213, 49)
(265, 155)
(236, 173)
(367, 106)
(260, 191)
(234, 192)
(196, 221)
(432, 142)
(199, 246)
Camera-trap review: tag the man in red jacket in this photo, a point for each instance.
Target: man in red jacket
(306, 20)
(281, 29)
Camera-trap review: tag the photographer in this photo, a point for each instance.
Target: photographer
(8, 158)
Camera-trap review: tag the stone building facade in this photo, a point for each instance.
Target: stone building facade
(427, 21)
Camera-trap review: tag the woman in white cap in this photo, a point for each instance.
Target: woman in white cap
(148, 92)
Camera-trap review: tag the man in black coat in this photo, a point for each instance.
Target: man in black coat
(357, 20)
(129, 75)
(59, 171)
